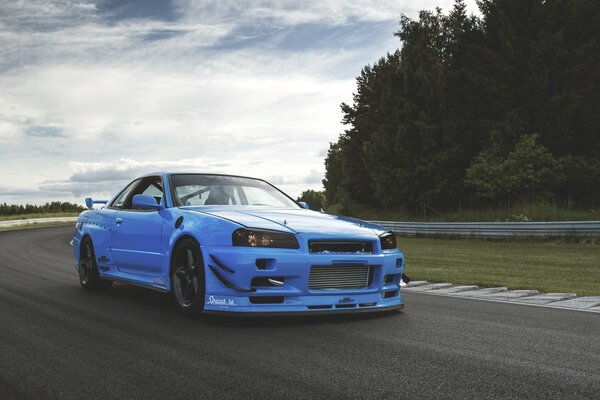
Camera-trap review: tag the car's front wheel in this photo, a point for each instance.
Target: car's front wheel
(187, 277)
(88, 269)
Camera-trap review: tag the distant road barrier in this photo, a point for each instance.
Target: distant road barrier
(16, 222)
(480, 229)
(495, 229)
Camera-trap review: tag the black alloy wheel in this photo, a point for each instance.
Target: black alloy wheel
(88, 269)
(187, 277)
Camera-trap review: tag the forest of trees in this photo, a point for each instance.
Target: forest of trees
(478, 111)
(53, 207)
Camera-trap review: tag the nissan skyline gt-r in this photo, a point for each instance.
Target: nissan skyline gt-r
(232, 244)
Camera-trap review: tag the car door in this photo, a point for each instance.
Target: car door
(104, 224)
(137, 234)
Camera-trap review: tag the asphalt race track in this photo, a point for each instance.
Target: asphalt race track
(58, 341)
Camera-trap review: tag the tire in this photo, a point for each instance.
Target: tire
(187, 277)
(89, 278)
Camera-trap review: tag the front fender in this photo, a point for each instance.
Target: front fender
(207, 230)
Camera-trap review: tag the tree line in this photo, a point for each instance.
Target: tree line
(53, 207)
(477, 111)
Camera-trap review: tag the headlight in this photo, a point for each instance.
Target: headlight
(259, 238)
(388, 241)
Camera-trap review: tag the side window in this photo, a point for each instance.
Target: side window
(154, 189)
(120, 200)
(151, 186)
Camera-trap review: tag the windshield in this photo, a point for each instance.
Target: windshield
(205, 190)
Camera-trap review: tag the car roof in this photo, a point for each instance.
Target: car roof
(167, 174)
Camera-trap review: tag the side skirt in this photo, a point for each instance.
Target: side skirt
(135, 282)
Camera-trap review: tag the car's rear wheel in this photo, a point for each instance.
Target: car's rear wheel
(187, 277)
(88, 269)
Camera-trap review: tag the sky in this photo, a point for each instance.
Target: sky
(96, 93)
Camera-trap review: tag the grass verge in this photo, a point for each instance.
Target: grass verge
(545, 266)
(39, 215)
(517, 213)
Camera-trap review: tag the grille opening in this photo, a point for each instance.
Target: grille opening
(345, 305)
(266, 299)
(340, 277)
(262, 263)
(323, 307)
(326, 246)
(367, 304)
(390, 294)
(392, 278)
(263, 281)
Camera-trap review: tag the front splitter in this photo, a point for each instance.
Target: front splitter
(310, 312)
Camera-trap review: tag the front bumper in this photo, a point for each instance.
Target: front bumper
(231, 271)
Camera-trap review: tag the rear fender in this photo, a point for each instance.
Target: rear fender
(96, 224)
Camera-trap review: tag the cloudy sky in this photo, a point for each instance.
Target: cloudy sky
(94, 93)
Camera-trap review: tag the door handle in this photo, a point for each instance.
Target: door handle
(119, 221)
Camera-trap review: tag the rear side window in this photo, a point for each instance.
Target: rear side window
(120, 200)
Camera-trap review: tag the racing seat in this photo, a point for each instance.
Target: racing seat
(217, 196)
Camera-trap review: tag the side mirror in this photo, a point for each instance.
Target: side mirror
(146, 202)
(304, 204)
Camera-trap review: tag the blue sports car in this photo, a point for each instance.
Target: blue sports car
(231, 244)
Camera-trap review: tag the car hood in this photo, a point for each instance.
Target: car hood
(292, 220)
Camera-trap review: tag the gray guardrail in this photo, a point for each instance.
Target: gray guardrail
(495, 229)
(481, 229)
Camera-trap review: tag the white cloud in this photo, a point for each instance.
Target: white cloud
(314, 177)
(225, 86)
(306, 11)
(104, 179)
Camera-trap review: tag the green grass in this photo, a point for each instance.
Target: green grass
(525, 212)
(545, 266)
(30, 216)
(34, 225)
